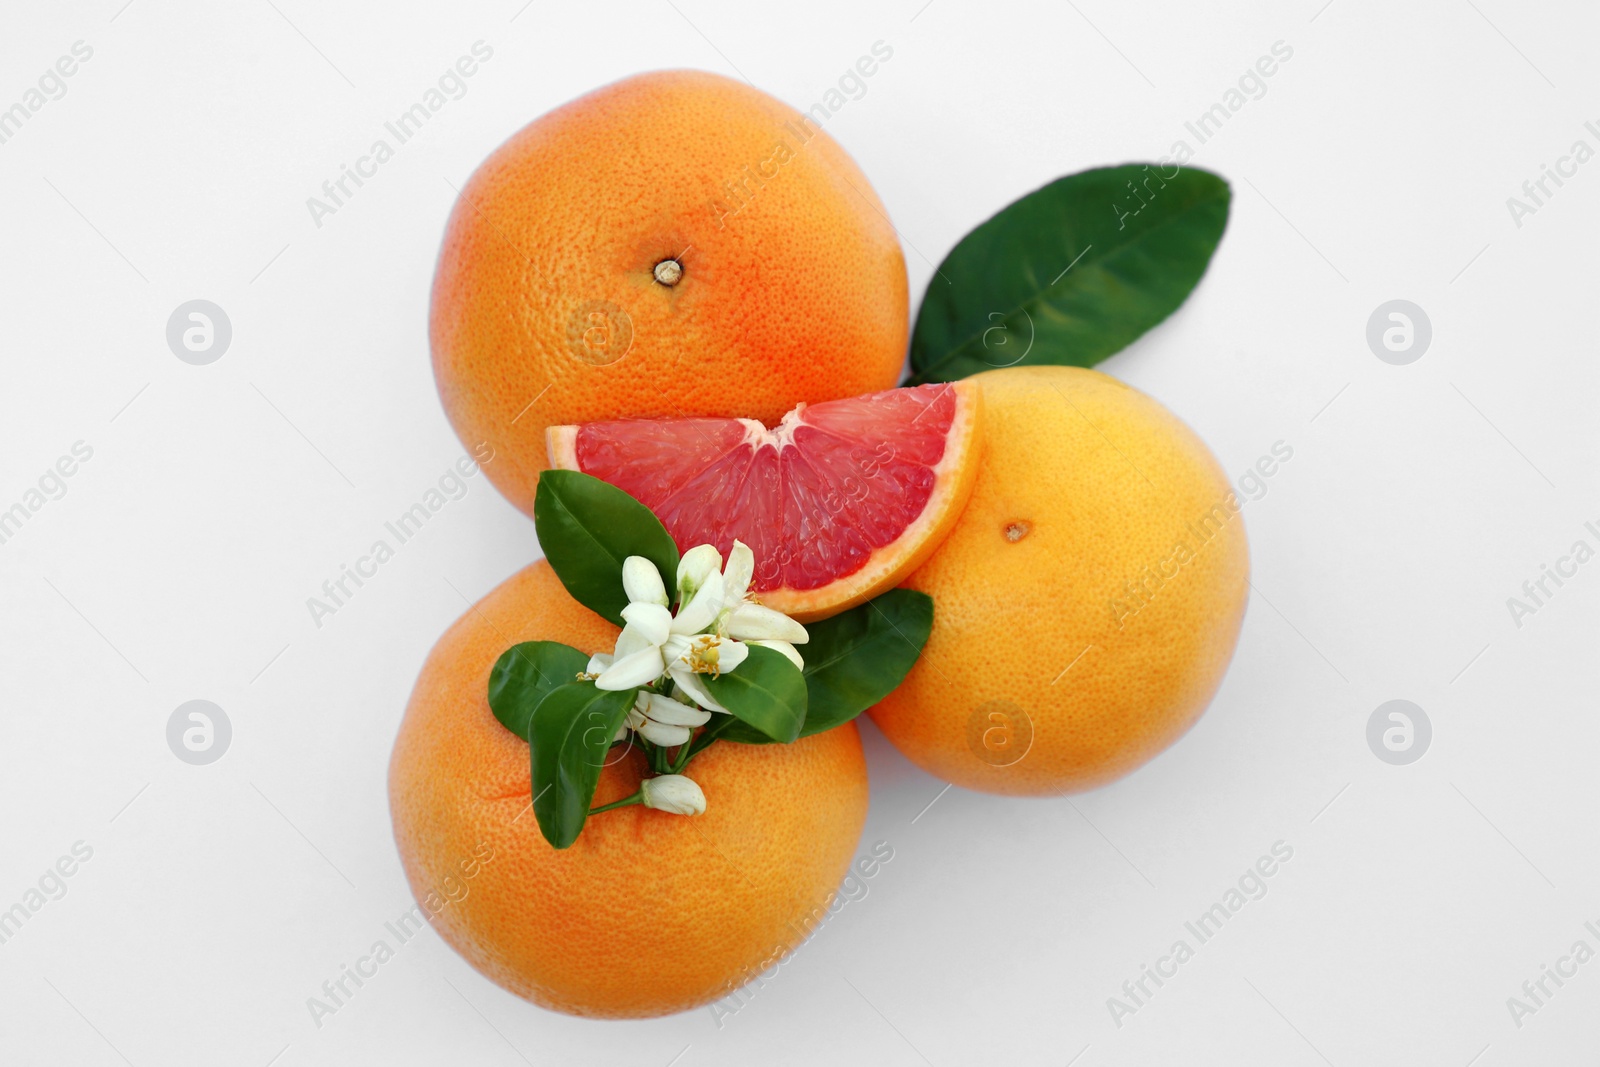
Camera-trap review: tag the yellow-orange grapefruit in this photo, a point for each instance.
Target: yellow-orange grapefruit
(674, 244)
(1088, 600)
(647, 913)
(840, 502)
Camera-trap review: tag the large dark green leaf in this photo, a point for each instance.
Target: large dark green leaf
(587, 527)
(568, 740)
(765, 692)
(1070, 273)
(853, 660)
(524, 674)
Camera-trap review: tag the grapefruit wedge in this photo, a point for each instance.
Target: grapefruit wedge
(839, 502)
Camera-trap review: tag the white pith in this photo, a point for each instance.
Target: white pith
(779, 437)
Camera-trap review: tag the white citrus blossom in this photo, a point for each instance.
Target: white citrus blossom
(716, 618)
(690, 657)
(673, 793)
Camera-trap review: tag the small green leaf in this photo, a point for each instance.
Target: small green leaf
(570, 735)
(587, 527)
(524, 674)
(727, 728)
(1070, 273)
(853, 660)
(858, 657)
(766, 692)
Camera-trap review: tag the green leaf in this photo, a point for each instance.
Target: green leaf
(1070, 273)
(587, 527)
(858, 657)
(524, 674)
(568, 741)
(853, 660)
(765, 692)
(727, 728)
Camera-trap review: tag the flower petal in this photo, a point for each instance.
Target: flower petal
(642, 582)
(682, 696)
(691, 684)
(651, 621)
(736, 575)
(756, 622)
(788, 650)
(598, 662)
(701, 611)
(629, 672)
(670, 712)
(662, 734)
(675, 650)
(631, 640)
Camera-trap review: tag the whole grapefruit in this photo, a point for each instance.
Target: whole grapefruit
(674, 244)
(1088, 600)
(647, 913)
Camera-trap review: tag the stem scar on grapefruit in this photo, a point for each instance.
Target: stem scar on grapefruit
(839, 502)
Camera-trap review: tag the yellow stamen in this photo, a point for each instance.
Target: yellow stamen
(703, 656)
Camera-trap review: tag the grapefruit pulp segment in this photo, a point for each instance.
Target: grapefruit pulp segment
(838, 502)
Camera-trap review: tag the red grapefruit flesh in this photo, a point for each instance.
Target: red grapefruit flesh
(839, 502)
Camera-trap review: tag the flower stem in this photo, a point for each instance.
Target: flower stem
(653, 755)
(706, 739)
(637, 798)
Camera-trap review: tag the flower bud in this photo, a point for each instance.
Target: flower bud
(642, 582)
(697, 564)
(673, 793)
(700, 610)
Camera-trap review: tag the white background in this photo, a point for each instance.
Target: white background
(218, 498)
